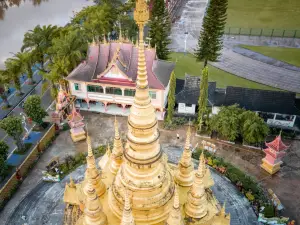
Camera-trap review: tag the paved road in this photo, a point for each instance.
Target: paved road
(43, 205)
(230, 61)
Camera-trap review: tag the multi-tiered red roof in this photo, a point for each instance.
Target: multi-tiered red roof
(277, 144)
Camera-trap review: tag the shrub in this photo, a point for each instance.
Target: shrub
(269, 211)
(3, 150)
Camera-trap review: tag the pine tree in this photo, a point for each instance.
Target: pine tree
(210, 41)
(160, 28)
(203, 97)
(171, 98)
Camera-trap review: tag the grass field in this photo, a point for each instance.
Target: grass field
(282, 14)
(187, 64)
(288, 55)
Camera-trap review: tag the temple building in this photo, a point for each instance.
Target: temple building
(106, 81)
(134, 184)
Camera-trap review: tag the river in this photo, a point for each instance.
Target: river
(16, 20)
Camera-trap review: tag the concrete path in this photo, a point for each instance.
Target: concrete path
(237, 64)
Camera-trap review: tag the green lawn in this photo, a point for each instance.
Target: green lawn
(187, 64)
(288, 55)
(282, 14)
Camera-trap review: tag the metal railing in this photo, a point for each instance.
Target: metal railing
(266, 32)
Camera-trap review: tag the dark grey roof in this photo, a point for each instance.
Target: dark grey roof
(191, 91)
(163, 69)
(261, 100)
(179, 85)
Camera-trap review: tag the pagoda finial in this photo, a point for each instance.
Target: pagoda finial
(108, 151)
(222, 212)
(175, 214)
(93, 213)
(184, 175)
(89, 143)
(117, 152)
(71, 184)
(127, 217)
(201, 167)
(120, 34)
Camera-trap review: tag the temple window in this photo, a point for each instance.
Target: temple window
(113, 91)
(129, 92)
(152, 94)
(77, 87)
(95, 88)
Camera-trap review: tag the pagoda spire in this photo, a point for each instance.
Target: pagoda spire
(93, 213)
(144, 172)
(117, 152)
(222, 218)
(127, 218)
(92, 172)
(71, 184)
(184, 175)
(175, 214)
(196, 205)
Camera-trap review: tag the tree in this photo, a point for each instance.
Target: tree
(13, 72)
(3, 150)
(12, 125)
(160, 28)
(203, 97)
(3, 168)
(171, 98)
(38, 41)
(33, 109)
(25, 60)
(227, 122)
(4, 84)
(253, 128)
(210, 39)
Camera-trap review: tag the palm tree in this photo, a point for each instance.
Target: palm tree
(13, 72)
(26, 60)
(38, 41)
(4, 83)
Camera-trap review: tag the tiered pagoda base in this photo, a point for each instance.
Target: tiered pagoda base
(270, 168)
(77, 134)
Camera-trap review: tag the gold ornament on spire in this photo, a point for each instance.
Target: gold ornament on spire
(93, 213)
(175, 214)
(92, 172)
(222, 218)
(71, 184)
(127, 218)
(184, 175)
(117, 152)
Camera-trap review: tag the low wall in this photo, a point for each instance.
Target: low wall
(13, 183)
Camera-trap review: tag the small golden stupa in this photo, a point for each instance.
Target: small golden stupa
(135, 184)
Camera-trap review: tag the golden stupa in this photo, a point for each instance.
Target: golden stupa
(135, 184)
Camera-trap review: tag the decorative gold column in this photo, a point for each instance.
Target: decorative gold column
(175, 214)
(93, 213)
(196, 205)
(127, 218)
(184, 175)
(144, 173)
(117, 152)
(92, 172)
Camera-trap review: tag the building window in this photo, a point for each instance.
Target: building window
(152, 94)
(94, 88)
(188, 105)
(77, 86)
(113, 91)
(129, 92)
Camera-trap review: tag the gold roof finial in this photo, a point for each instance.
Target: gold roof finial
(188, 138)
(108, 151)
(117, 135)
(174, 217)
(222, 212)
(176, 199)
(202, 166)
(89, 143)
(127, 218)
(71, 184)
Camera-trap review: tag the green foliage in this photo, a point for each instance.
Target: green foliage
(23, 151)
(160, 28)
(210, 40)
(227, 122)
(4, 85)
(3, 150)
(203, 97)
(33, 109)
(171, 98)
(13, 71)
(269, 211)
(176, 122)
(253, 128)
(12, 125)
(25, 60)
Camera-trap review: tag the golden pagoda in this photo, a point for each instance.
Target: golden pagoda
(117, 152)
(140, 183)
(184, 175)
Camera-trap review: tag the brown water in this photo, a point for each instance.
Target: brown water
(19, 16)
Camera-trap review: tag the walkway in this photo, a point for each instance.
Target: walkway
(239, 65)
